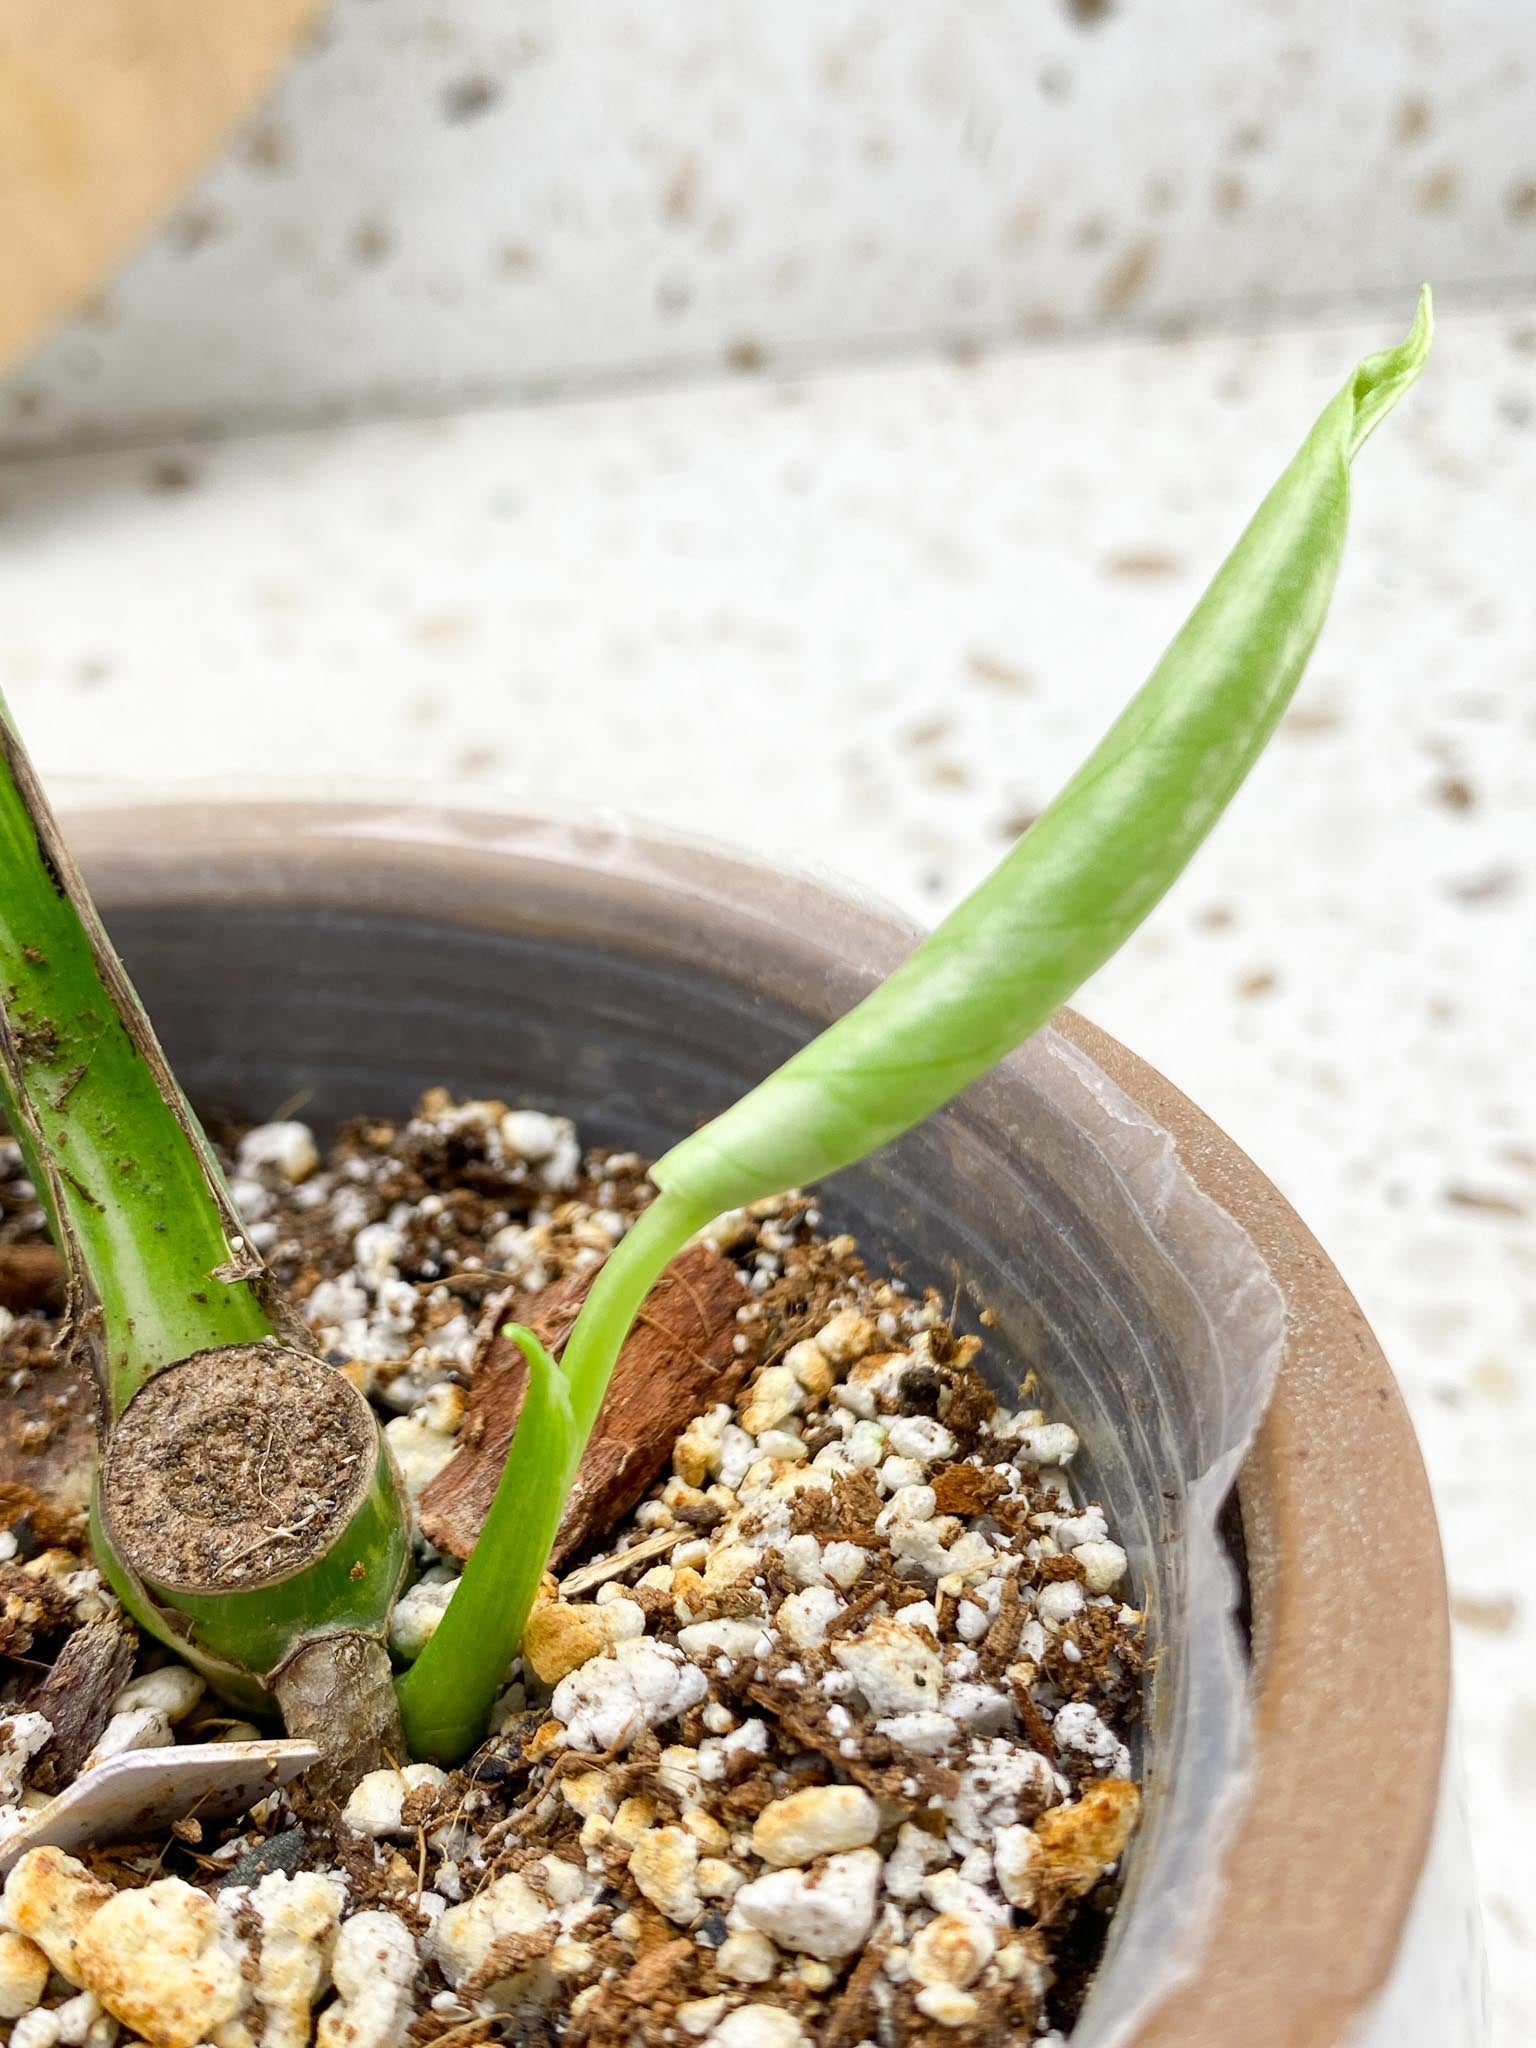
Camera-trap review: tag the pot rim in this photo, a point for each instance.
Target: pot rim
(1351, 1632)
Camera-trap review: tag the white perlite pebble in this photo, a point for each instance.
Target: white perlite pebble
(897, 1474)
(772, 1396)
(926, 1734)
(953, 1949)
(915, 1503)
(514, 1250)
(1086, 1526)
(531, 1135)
(1103, 1565)
(918, 1615)
(971, 1621)
(173, 1690)
(607, 1703)
(747, 1957)
(948, 1892)
(38, 2029)
(946, 2005)
(718, 1879)
(758, 2026)
(1016, 1857)
(664, 1864)
(697, 2015)
(864, 1446)
(978, 1709)
(970, 1555)
(139, 1728)
(297, 1917)
(783, 1445)
(1079, 1727)
(802, 1561)
(848, 1336)
(816, 1822)
(844, 1563)
(896, 1672)
(921, 1544)
(803, 1618)
(920, 1437)
(826, 1912)
(79, 2020)
(23, 1975)
(915, 1854)
(1000, 1784)
(1059, 1601)
(1053, 1443)
(374, 1969)
(811, 1367)
(21, 1738)
(159, 1959)
(288, 1147)
(374, 1807)
(418, 1612)
(420, 1452)
(375, 1249)
(464, 1936)
(732, 1639)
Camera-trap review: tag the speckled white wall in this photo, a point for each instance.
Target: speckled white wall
(493, 197)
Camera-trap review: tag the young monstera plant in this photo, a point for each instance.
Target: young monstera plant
(246, 1510)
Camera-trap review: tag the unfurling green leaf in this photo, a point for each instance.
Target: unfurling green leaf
(1091, 867)
(1076, 886)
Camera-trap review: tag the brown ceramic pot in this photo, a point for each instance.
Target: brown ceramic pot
(348, 957)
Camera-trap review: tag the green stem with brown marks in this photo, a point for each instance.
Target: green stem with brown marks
(157, 1258)
(160, 1271)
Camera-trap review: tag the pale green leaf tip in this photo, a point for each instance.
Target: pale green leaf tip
(1380, 380)
(532, 1347)
(544, 1373)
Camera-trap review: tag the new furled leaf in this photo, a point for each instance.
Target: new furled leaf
(1091, 866)
(1073, 889)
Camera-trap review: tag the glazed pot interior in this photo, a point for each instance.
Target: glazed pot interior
(330, 959)
(639, 1028)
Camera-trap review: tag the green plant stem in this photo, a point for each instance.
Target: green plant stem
(1072, 891)
(136, 1201)
(447, 1694)
(158, 1264)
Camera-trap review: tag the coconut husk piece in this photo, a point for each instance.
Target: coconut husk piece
(680, 1358)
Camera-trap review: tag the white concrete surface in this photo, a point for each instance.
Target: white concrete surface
(454, 202)
(873, 619)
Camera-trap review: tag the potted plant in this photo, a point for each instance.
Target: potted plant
(288, 1591)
